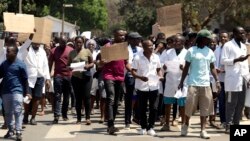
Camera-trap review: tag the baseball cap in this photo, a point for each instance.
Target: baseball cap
(204, 33)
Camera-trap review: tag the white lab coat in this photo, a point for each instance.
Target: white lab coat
(35, 68)
(234, 72)
(172, 78)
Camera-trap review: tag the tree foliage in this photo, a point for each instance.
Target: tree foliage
(197, 14)
(88, 14)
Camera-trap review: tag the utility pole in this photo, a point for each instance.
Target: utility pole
(20, 6)
(63, 13)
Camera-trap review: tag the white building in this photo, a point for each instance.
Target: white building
(70, 30)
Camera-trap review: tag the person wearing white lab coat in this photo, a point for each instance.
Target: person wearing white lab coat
(36, 61)
(234, 58)
(173, 59)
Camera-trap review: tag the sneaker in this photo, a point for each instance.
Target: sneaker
(65, 118)
(112, 130)
(18, 136)
(33, 121)
(9, 134)
(142, 132)
(88, 122)
(227, 131)
(26, 119)
(127, 126)
(151, 132)
(165, 127)
(204, 135)
(55, 121)
(184, 130)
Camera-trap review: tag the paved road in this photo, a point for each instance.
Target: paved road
(69, 131)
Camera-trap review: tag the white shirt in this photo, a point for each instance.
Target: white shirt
(131, 54)
(37, 64)
(218, 64)
(173, 78)
(147, 69)
(234, 71)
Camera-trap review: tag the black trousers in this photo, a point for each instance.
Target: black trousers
(113, 93)
(153, 98)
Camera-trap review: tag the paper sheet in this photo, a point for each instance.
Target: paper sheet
(181, 93)
(77, 66)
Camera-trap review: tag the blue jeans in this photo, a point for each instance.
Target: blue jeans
(62, 86)
(13, 104)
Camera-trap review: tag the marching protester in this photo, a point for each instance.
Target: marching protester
(234, 58)
(15, 87)
(146, 69)
(81, 79)
(36, 61)
(199, 61)
(175, 55)
(134, 38)
(62, 75)
(113, 76)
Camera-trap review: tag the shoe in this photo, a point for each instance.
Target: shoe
(78, 122)
(204, 135)
(18, 136)
(101, 120)
(9, 134)
(26, 119)
(227, 131)
(151, 132)
(136, 121)
(127, 126)
(165, 127)
(4, 126)
(174, 123)
(112, 130)
(55, 121)
(33, 121)
(213, 124)
(184, 130)
(88, 122)
(65, 118)
(142, 132)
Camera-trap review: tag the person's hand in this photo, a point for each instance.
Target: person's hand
(144, 79)
(218, 86)
(29, 96)
(164, 67)
(103, 62)
(241, 58)
(161, 78)
(181, 67)
(180, 86)
(47, 85)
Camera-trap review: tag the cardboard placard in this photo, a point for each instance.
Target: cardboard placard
(170, 19)
(155, 29)
(22, 37)
(115, 52)
(21, 23)
(43, 30)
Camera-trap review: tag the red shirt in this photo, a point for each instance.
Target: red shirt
(114, 70)
(60, 57)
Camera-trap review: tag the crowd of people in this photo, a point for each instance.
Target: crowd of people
(184, 73)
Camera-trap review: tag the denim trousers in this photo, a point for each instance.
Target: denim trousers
(130, 87)
(62, 86)
(113, 89)
(13, 104)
